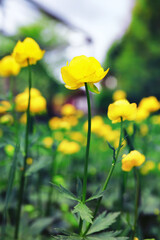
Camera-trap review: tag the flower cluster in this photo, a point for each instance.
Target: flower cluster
(133, 159)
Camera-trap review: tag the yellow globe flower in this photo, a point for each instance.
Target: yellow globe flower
(118, 95)
(47, 142)
(6, 119)
(58, 123)
(148, 166)
(5, 106)
(38, 103)
(68, 110)
(82, 70)
(133, 159)
(142, 114)
(122, 109)
(28, 50)
(150, 104)
(67, 147)
(9, 67)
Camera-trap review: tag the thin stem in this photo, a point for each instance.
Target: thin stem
(22, 182)
(137, 186)
(115, 157)
(87, 154)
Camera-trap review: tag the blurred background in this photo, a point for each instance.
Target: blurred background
(123, 35)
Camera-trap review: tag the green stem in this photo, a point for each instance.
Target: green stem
(22, 182)
(115, 157)
(137, 186)
(87, 154)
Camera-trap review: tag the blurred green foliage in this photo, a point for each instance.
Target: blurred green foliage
(135, 59)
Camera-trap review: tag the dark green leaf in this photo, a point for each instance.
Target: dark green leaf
(40, 224)
(103, 221)
(66, 192)
(84, 211)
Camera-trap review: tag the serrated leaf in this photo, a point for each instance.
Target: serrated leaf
(66, 192)
(93, 88)
(96, 195)
(74, 237)
(105, 236)
(84, 211)
(40, 224)
(103, 221)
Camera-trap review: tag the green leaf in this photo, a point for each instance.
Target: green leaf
(84, 211)
(71, 237)
(96, 195)
(40, 224)
(93, 88)
(66, 192)
(10, 185)
(102, 222)
(105, 236)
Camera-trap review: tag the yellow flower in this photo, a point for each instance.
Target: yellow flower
(9, 67)
(122, 109)
(118, 95)
(135, 238)
(68, 147)
(29, 161)
(6, 119)
(58, 123)
(133, 159)
(38, 103)
(142, 114)
(68, 110)
(47, 141)
(147, 167)
(77, 136)
(150, 104)
(82, 70)
(28, 50)
(9, 149)
(5, 106)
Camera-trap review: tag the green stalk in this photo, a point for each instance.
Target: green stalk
(115, 157)
(22, 181)
(137, 186)
(87, 154)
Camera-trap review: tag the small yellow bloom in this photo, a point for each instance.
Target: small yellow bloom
(29, 161)
(147, 167)
(58, 123)
(133, 159)
(5, 106)
(6, 119)
(67, 147)
(68, 110)
(48, 142)
(122, 109)
(9, 67)
(77, 136)
(135, 238)
(38, 103)
(28, 50)
(118, 95)
(150, 104)
(82, 70)
(9, 150)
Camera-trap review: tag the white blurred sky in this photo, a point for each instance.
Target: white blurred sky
(104, 20)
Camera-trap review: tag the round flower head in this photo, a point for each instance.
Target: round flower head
(122, 109)
(28, 50)
(9, 67)
(82, 70)
(67, 147)
(5, 106)
(133, 159)
(150, 104)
